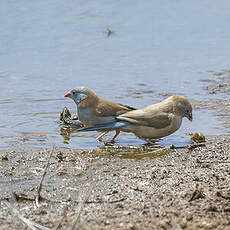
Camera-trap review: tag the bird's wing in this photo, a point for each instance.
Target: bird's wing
(156, 119)
(109, 108)
(127, 107)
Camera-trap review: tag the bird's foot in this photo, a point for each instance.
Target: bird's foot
(148, 144)
(99, 139)
(109, 143)
(112, 141)
(150, 141)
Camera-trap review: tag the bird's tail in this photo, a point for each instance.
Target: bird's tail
(107, 126)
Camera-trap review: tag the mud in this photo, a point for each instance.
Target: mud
(181, 189)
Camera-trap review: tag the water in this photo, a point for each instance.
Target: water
(49, 47)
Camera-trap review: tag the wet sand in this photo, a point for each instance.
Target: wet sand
(185, 189)
(102, 189)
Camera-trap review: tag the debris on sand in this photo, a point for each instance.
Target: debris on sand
(223, 195)
(108, 188)
(197, 193)
(197, 137)
(65, 119)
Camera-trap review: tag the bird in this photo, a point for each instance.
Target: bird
(152, 122)
(93, 110)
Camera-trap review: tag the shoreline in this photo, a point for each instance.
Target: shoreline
(184, 189)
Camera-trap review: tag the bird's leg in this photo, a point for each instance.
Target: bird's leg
(150, 141)
(113, 139)
(100, 137)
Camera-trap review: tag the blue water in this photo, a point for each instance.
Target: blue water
(48, 47)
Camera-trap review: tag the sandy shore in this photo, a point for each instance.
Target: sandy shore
(184, 189)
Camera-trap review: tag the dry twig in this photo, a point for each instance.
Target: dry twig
(80, 208)
(62, 218)
(223, 195)
(197, 193)
(38, 196)
(130, 147)
(14, 211)
(192, 146)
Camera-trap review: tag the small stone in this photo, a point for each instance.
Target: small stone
(184, 224)
(164, 224)
(107, 222)
(60, 156)
(189, 217)
(212, 208)
(43, 212)
(5, 158)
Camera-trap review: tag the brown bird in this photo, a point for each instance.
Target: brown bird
(152, 122)
(93, 110)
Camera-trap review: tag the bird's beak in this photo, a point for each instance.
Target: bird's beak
(68, 95)
(189, 116)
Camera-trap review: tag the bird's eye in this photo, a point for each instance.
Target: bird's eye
(73, 92)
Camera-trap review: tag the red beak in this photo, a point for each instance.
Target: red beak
(68, 95)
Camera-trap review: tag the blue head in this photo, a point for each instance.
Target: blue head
(79, 94)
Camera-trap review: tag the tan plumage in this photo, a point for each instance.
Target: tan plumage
(94, 110)
(154, 121)
(102, 107)
(157, 120)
